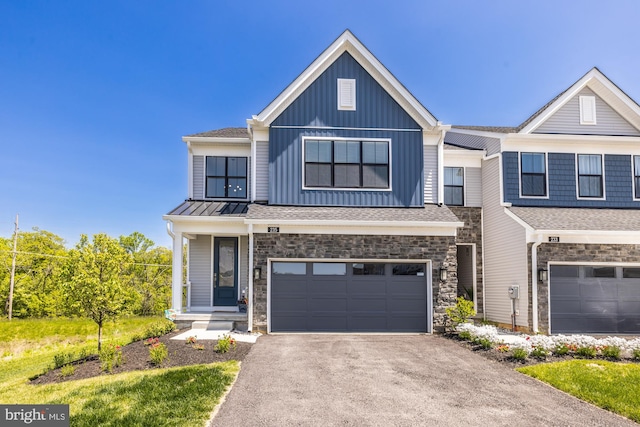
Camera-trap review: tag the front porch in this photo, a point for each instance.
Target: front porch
(212, 320)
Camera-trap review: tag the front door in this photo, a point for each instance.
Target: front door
(225, 266)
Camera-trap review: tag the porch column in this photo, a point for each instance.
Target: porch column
(176, 282)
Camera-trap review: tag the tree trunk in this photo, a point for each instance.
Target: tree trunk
(99, 336)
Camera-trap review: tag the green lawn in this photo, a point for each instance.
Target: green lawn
(609, 385)
(178, 396)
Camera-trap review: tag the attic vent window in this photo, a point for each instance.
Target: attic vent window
(587, 110)
(347, 94)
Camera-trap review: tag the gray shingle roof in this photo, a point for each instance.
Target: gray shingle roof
(427, 214)
(579, 219)
(224, 133)
(207, 208)
(496, 129)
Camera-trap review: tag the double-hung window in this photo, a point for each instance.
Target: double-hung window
(346, 164)
(636, 177)
(226, 177)
(590, 182)
(533, 174)
(454, 186)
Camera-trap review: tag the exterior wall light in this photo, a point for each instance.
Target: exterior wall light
(257, 272)
(542, 275)
(443, 274)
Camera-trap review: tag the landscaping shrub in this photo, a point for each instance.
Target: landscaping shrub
(561, 349)
(110, 357)
(67, 370)
(225, 344)
(539, 353)
(611, 352)
(61, 359)
(461, 312)
(636, 354)
(519, 353)
(158, 353)
(586, 352)
(159, 329)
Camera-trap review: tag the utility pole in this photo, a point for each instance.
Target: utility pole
(13, 267)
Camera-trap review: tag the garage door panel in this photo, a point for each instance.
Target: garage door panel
(608, 305)
(348, 302)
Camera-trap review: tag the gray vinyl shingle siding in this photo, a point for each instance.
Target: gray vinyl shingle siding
(618, 180)
(314, 113)
(567, 119)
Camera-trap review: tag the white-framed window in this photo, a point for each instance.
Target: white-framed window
(533, 175)
(590, 176)
(454, 186)
(587, 110)
(347, 94)
(341, 163)
(226, 177)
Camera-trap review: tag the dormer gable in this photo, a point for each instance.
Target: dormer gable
(347, 42)
(593, 105)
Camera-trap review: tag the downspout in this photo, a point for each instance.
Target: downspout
(254, 150)
(169, 229)
(534, 284)
(443, 131)
(250, 299)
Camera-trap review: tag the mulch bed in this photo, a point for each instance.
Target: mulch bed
(136, 358)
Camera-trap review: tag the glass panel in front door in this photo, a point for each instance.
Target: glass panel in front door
(226, 263)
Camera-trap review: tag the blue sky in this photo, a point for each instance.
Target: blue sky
(96, 95)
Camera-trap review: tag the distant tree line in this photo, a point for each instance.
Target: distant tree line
(99, 278)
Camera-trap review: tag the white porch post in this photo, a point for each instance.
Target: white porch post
(176, 283)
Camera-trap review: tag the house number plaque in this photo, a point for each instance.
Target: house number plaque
(554, 239)
(273, 229)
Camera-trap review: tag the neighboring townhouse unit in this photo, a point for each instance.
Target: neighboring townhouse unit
(328, 210)
(561, 199)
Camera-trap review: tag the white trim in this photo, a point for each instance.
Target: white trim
(546, 174)
(428, 273)
(254, 170)
(587, 110)
(190, 170)
(347, 42)
(250, 293)
(360, 140)
(577, 164)
(213, 258)
(634, 190)
(218, 139)
(475, 267)
(348, 85)
(346, 128)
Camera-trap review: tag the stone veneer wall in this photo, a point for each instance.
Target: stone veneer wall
(441, 250)
(574, 252)
(472, 233)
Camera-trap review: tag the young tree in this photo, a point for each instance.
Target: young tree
(95, 286)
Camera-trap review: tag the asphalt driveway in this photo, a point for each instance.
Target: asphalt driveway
(391, 380)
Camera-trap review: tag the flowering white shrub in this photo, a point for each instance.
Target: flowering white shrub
(546, 342)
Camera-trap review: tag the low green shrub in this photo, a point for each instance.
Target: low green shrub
(611, 352)
(158, 353)
(225, 344)
(110, 357)
(539, 353)
(636, 354)
(465, 335)
(159, 328)
(61, 359)
(519, 353)
(461, 312)
(485, 343)
(67, 370)
(561, 349)
(586, 352)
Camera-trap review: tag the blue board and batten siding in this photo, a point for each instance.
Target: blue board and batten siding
(618, 181)
(315, 114)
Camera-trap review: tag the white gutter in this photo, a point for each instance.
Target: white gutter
(169, 229)
(250, 296)
(534, 284)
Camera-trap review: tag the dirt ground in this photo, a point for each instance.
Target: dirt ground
(136, 357)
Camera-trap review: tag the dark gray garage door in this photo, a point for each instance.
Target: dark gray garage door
(348, 297)
(595, 299)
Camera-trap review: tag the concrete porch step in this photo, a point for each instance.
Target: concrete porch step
(213, 325)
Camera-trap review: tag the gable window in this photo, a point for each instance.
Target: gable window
(636, 176)
(533, 174)
(346, 164)
(226, 177)
(347, 94)
(454, 186)
(590, 175)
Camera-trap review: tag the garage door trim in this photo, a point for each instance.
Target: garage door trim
(428, 270)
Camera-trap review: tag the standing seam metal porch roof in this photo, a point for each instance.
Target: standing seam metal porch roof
(209, 208)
